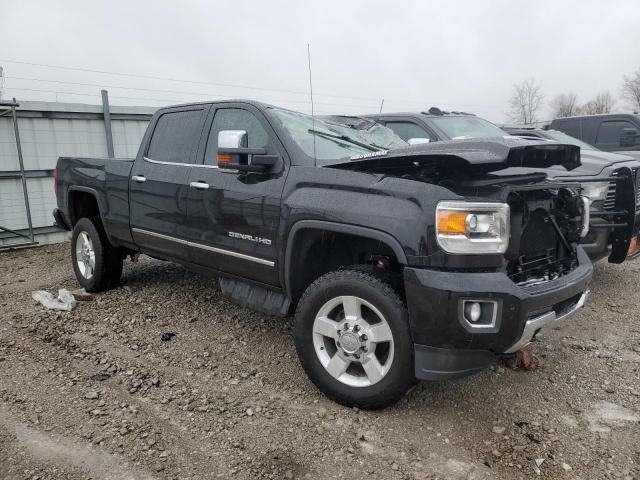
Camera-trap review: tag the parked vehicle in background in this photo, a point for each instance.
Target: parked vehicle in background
(436, 125)
(416, 262)
(609, 180)
(610, 132)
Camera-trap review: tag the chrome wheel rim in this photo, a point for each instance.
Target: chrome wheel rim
(353, 341)
(85, 255)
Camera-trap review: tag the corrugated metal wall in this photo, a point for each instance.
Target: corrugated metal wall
(48, 131)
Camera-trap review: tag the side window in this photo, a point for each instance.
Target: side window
(609, 133)
(234, 119)
(407, 130)
(175, 136)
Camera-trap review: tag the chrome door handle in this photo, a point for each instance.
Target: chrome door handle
(199, 185)
(138, 178)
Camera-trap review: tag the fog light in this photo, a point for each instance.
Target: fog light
(478, 314)
(472, 310)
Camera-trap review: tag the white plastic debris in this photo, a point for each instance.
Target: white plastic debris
(536, 464)
(65, 300)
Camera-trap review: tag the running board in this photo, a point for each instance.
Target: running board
(255, 297)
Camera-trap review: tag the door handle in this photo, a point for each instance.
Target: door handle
(199, 185)
(138, 178)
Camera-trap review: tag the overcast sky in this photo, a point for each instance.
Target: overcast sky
(461, 55)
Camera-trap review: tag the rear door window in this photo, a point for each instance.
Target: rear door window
(175, 137)
(610, 131)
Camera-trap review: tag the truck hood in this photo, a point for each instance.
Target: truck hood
(472, 156)
(593, 162)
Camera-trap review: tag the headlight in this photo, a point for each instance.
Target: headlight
(595, 190)
(472, 227)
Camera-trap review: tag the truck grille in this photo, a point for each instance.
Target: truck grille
(610, 200)
(636, 182)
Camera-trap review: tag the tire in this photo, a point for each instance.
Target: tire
(325, 345)
(96, 263)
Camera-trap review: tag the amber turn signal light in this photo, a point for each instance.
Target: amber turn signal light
(451, 221)
(224, 158)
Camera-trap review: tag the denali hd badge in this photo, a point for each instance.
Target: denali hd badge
(362, 156)
(251, 238)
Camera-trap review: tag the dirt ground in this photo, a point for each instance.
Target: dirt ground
(226, 397)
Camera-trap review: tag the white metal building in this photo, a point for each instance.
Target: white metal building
(47, 131)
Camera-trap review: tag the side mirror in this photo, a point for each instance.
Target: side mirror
(418, 141)
(629, 137)
(234, 156)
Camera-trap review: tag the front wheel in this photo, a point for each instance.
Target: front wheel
(353, 339)
(96, 263)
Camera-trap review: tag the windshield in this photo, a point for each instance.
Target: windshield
(334, 140)
(564, 138)
(460, 128)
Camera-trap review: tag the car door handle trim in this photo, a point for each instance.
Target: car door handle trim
(261, 261)
(199, 185)
(138, 178)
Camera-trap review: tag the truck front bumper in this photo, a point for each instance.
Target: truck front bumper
(448, 345)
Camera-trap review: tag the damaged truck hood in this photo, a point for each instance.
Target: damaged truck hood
(473, 156)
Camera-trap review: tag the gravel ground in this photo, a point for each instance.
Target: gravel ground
(226, 398)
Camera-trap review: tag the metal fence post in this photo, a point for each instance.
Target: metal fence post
(22, 176)
(107, 123)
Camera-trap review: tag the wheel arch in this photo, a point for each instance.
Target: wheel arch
(75, 194)
(292, 284)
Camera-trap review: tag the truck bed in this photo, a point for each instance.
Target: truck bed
(108, 180)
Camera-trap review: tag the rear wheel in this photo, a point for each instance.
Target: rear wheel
(353, 339)
(96, 263)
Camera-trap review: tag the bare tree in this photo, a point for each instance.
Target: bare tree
(603, 103)
(631, 90)
(526, 101)
(565, 105)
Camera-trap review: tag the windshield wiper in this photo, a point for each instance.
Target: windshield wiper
(347, 139)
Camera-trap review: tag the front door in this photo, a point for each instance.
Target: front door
(159, 183)
(234, 217)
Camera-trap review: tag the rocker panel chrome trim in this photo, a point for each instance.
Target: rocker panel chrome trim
(221, 251)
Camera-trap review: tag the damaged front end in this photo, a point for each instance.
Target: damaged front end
(546, 219)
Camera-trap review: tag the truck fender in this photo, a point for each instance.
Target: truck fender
(371, 233)
(78, 188)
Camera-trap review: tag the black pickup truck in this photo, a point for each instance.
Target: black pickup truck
(610, 132)
(415, 262)
(610, 181)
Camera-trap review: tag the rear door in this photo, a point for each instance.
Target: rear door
(159, 183)
(234, 217)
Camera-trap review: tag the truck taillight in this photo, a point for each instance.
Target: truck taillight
(55, 180)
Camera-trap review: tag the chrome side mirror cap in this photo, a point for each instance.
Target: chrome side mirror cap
(231, 139)
(418, 141)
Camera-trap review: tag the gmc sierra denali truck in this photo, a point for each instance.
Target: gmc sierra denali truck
(610, 181)
(400, 263)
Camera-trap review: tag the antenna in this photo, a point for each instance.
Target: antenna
(381, 105)
(313, 117)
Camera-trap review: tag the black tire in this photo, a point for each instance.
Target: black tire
(400, 376)
(108, 260)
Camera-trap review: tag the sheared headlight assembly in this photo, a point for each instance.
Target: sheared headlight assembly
(472, 227)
